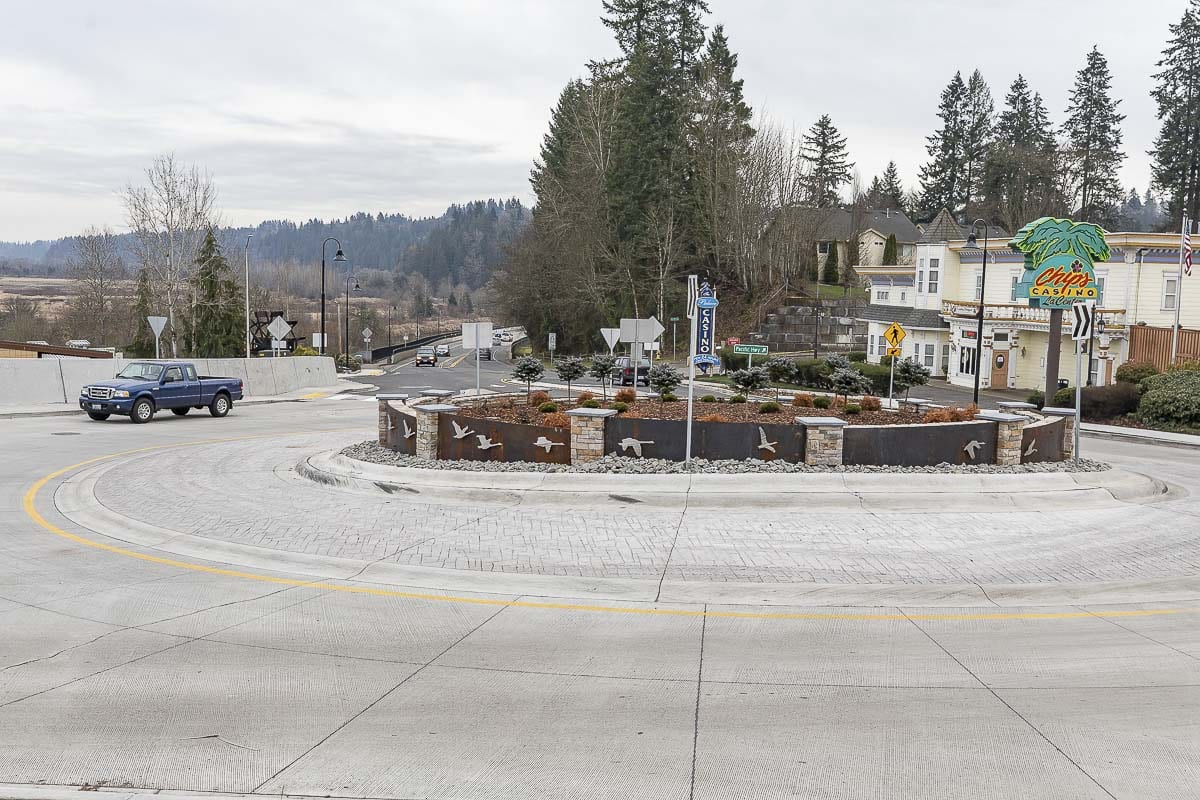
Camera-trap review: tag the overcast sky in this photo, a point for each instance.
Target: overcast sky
(306, 109)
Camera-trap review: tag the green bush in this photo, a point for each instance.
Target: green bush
(747, 381)
(1109, 402)
(878, 375)
(1065, 397)
(737, 398)
(770, 407)
(354, 364)
(620, 407)
(589, 403)
(1172, 399)
(853, 408)
(548, 407)
(708, 398)
(813, 373)
(1037, 398)
(837, 361)
(1135, 371)
(822, 401)
(731, 360)
(780, 369)
(304, 350)
(668, 398)
(857, 356)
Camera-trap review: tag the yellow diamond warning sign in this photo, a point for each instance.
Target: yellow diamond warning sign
(894, 334)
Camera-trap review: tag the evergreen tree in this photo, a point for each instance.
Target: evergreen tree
(831, 273)
(219, 319)
(1176, 155)
(142, 345)
(1020, 178)
(891, 191)
(943, 177)
(634, 22)
(1093, 133)
(889, 250)
(978, 114)
(829, 166)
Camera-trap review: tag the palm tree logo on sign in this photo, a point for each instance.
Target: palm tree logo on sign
(1059, 261)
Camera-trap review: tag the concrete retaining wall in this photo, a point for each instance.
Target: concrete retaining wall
(39, 381)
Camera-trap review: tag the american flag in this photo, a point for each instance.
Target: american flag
(1186, 246)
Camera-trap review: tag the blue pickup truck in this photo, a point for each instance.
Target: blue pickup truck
(145, 387)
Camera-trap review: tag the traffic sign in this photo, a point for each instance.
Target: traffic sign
(367, 333)
(552, 341)
(157, 324)
(750, 349)
(611, 337)
(894, 334)
(279, 329)
(476, 335)
(893, 351)
(1085, 319)
(640, 330)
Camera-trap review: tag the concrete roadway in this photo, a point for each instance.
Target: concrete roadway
(119, 668)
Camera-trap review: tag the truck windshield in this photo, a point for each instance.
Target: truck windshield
(141, 372)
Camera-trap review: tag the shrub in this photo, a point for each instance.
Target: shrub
(620, 407)
(822, 401)
(737, 398)
(664, 378)
(813, 373)
(591, 402)
(548, 407)
(857, 356)
(625, 395)
(1108, 402)
(909, 374)
(569, 369)
(1064, 397)
(1172, 399)
(951, 414)
(853, 408)
(731, 360)
(878, 375)
(557, 420)
(750, 380)
(708, 398)
(584, 396)
(601, 369)
(1038, 399)
(304, 350)
(802, 400)
(537, 398)
(849, 381)
(871, 403)
(770, 407)
(527, 370)
(780, 369)
(352, 365)
(1185, 365)
(711, 418)
(669, 397)
(1135, 372)
(837, 361)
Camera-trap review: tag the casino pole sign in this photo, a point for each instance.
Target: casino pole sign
(1060, 258)
(706, 328)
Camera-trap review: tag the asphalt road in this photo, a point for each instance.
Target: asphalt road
(123, 668)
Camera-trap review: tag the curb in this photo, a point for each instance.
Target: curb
(1139, 438)
(251, 401)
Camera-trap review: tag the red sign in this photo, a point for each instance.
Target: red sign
(732, 341)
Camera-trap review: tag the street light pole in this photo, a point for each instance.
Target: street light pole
(346, 343)
(338, 257)
(972, 240)
(249, 236)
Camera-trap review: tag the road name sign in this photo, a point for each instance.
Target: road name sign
(750, 349)
(894, 334)
(1085, 320)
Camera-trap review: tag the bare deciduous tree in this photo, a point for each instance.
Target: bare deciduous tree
(98, 270)
(169, 217)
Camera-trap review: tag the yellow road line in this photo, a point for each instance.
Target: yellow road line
(313, 396)
(31, 511)
(457, 361)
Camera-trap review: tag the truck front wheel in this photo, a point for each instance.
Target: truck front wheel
(219, 406)
(142, 411)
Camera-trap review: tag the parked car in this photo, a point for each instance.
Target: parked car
(623, 371)
(441, 350)
(143, 388)
(426, 357)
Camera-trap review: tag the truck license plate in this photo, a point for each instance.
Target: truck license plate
(96, 406)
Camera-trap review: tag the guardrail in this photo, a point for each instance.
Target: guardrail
(379, 353)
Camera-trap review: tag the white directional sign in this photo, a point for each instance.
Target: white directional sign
(611, 337)
(553, 341)
(476, 335)
(1085, 319)
(279, 329)
(641, 330)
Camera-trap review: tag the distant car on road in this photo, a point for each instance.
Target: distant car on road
(143, 388)
(505, 336)
(442, 350)
(485, 354)
(426, 357)
(623, 371)
(82, 344)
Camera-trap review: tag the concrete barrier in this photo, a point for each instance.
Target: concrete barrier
(42, 381)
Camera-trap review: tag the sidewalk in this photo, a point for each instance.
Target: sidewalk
(307, 393)
(1141, 435)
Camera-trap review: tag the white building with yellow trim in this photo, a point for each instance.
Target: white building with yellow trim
(936, 299)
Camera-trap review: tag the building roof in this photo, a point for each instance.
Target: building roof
(50, 351)
(828, 224)
(907, 317)
(945, 228)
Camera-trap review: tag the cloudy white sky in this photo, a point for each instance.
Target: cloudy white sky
(304, 109)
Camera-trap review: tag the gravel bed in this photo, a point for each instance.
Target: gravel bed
(371, 452)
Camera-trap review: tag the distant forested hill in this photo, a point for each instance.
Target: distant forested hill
(461, 247)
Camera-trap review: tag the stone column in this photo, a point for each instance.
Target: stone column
(822, 440)
(427, 429)
(1068, 415)
(385, 426)
(587, 433)
(1011, 427)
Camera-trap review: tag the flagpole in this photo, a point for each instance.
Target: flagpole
(1183, 237)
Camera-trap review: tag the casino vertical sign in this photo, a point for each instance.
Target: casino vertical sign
(706, 327)
(1060, 258)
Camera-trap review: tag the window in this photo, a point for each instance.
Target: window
(922, 264)
(966, 360)
(933, 276)
(880, 294)
(945, 358)
(871, 344)
(903, 297)
(916, 356)
(920, 280)
(1170, 294)
(930, 351)
(173, 374)
(823, 248)
(978, 287)
(190, 371)
(1012, 297)
(1100, 289)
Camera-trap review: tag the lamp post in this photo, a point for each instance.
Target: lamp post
(338, 257)
(346, 343)
(249, 236)
(972, 240)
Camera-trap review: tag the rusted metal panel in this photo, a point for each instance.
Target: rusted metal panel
(402, 432)
(476, 439)
(666, 439)
(920, 445)
(1043, 442)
